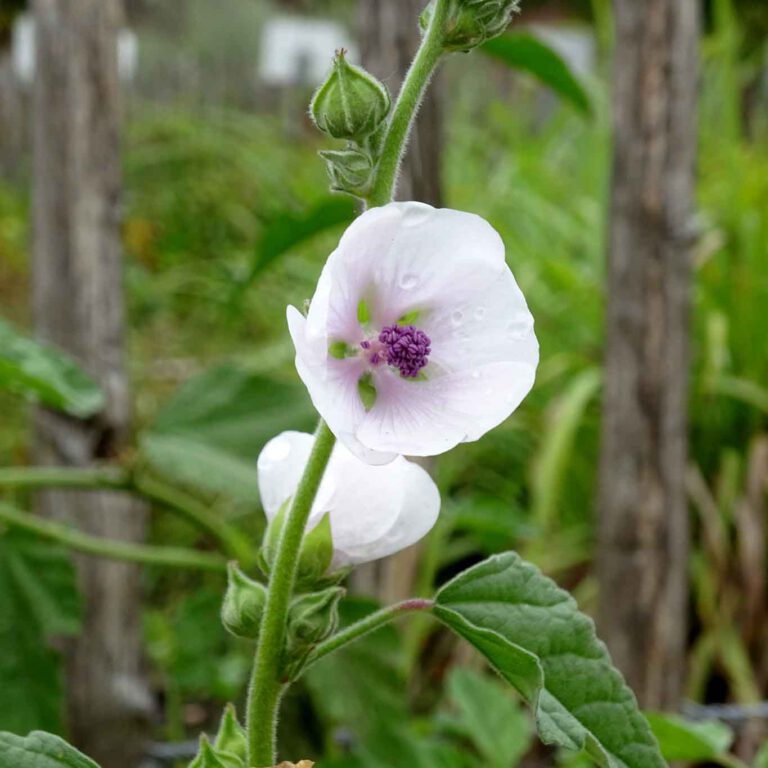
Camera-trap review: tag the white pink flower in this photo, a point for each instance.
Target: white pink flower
(375, 511)
(418, 337)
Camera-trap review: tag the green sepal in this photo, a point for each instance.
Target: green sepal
(367, 391)
(316, 550)
(316, 553)
(314, 616)
(333, 578)
(231, 736)
(243, 606)
(350, 170)
(210, 757)
(351, 103)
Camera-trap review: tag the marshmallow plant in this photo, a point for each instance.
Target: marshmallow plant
(417, 338)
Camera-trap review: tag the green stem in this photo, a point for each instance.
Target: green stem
(408, 102)
(173, 557)
(368, 624)
(108, 478)
(266, 687)
(117, 479)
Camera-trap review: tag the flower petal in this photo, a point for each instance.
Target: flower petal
(425, 418)
(490, 326)
(408, 256)
(417, 514)
(280, 466)
(374, 510)
(333, 387)
(449, 266)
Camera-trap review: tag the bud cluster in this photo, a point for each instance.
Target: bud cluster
(351, 105)
(470, 23)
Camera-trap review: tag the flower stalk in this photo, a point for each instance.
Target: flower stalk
(266, 686)
(367, 625)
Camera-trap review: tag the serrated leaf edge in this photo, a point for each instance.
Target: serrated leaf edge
(590, 740)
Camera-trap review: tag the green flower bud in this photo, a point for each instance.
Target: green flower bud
(231, 737)
(243, 604)
(314, 617)
(350, 170)
(470, 23)
(351, 103)
(210, 757)
(311, 619)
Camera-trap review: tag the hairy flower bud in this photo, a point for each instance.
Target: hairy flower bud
(351, 103)
(315, 616)
(470, 23)
(312, 618)
(243, 604)
(350, 170)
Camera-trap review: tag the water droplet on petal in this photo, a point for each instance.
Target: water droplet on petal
(409, 281)
(520, 325)
(277, 450)
(479, 313)
(457, 318)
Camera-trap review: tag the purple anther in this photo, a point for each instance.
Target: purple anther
(407, 348)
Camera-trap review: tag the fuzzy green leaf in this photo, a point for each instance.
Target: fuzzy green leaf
(43, 374)
(526, 53)
(531, 631)
(38, 594)
(40, 750)
(292, 229)
(682, 739)
(208, 436)
(490, 716)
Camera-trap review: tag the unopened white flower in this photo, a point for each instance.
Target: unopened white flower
(375, 511)
(418, 337)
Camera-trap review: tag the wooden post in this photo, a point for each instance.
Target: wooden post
(78, 305)
(643, 532)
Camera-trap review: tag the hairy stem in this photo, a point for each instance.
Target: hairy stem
(266, 687)
(173, 557)
(370, 623)
(405, 110)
